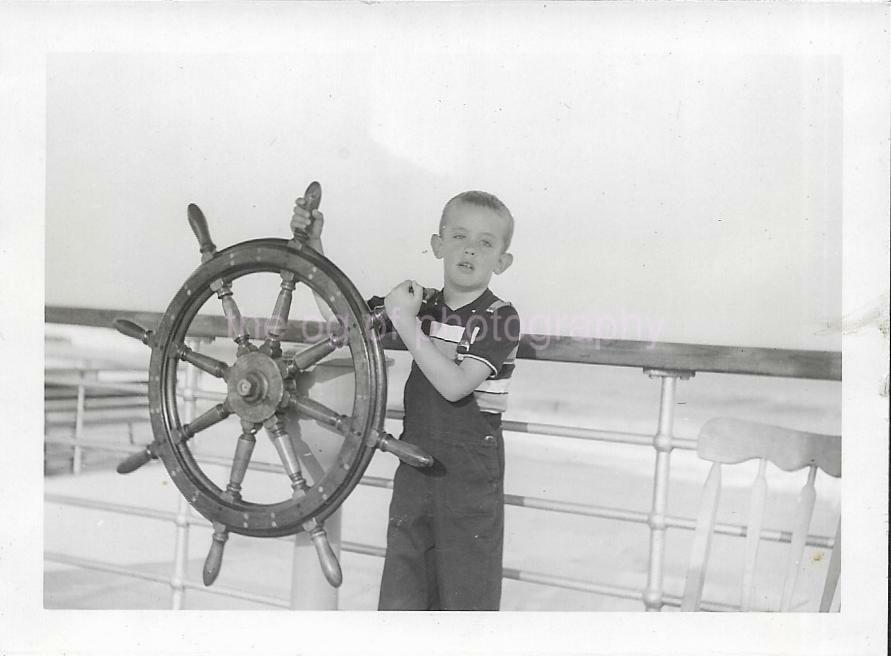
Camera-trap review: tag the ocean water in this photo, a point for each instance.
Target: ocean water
(564, 469)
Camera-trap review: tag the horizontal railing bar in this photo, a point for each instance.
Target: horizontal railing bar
(526, 576)
(617, 437)
(68, 392)
(87, 563)
(601, 512)
(638, 517)
(97, 421)
(740, 531)
(74, 368)
(756, 361)
(366, 549)
(576, 432)
(266, 467)
(122, 412)
(675, 602)
(377, 481)
(127, 402)
(521, 575)
(136, 388)
(122, 415)
(124, 509)
(572, 584)
(94, 445)
(108, 506)
(207, 395)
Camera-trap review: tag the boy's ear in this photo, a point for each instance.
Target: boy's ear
(503, 262)
(436, 245)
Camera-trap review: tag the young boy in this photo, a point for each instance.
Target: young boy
(446, 529)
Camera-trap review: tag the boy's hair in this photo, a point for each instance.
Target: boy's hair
(482, 199)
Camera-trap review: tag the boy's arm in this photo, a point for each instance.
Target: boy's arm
(312, 224)
(454, 381)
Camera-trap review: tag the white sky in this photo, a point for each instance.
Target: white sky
(674, 196)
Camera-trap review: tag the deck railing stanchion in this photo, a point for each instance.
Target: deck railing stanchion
(181, 549)
(310, 589)
(177, 581)
(662, 442)
(77, 456)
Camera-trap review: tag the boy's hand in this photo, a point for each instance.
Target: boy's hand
(312, 224)
(404, 302)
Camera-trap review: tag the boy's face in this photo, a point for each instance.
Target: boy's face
(471, 246)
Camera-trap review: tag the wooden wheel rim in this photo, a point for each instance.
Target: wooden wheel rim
(369, 403)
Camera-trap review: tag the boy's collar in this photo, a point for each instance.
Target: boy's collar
(485, 299)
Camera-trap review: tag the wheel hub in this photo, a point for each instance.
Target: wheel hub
(256, 386)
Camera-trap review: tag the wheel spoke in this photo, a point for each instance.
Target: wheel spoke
(213, 416)
(205, 363)
(315, 353)
(322, 413)
(278, 322)
(237, 326)
(243, 452)
(275, 427)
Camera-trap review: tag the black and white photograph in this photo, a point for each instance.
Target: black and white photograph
(565, 315)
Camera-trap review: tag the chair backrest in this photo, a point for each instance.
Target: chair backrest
(725, 441)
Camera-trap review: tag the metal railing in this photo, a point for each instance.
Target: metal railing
(662, 361)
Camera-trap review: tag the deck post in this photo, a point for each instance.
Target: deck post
(181, 555)
(662, 442)
(181, 548)
(77, 456)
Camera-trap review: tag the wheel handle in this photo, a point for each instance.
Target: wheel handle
(407, 453)
(136, 460)
(380, 313)
(135, 331)
(312, 197)
(198, 223)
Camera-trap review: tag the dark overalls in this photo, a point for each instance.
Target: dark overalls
(446, 530)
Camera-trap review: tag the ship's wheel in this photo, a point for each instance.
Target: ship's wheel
(265, 390)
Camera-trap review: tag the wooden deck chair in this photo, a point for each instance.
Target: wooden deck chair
(729, 441)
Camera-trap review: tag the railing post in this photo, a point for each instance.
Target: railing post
(77, 456)
(652, 596)
(181, 549)
(309, 588)
(181, 556)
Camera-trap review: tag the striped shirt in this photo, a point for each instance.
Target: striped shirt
(487, 330)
